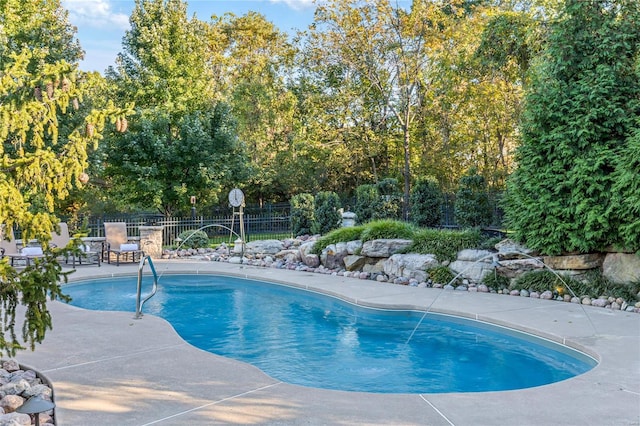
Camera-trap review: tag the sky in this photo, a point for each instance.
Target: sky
(101, 24)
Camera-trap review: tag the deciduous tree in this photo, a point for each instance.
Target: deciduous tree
(184, 142)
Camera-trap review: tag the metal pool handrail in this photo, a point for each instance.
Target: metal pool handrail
(153, 290)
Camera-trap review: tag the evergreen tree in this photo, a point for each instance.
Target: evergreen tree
(472, 207)
(327, 215)
(582, 107)
(426, 202)
(302, 214)
(625, 203)
(40, 88)
(367, 198)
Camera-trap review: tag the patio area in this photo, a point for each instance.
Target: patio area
(108, 368)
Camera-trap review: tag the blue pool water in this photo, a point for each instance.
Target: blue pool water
(309, 339)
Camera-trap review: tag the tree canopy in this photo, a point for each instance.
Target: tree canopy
(45, 139)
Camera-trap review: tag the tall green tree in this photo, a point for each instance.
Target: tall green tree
(257, 62)
(153, 168)
(624, 209)
(385, 48)
(472, 207)
(164, 60)
(40, 86)
(583, 104)
(185, 141)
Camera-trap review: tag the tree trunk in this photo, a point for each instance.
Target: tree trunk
(406, 172)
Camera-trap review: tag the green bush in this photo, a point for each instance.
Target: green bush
(327, 214)
(626, 194)
(302, 214)
(389, 204)
(194, 239)
(495, 281)
(440, 274)
(580, 110)
(340, 235)
(541, 281)
(472, 208)
(444, 244)
(387, 229)
(367, 198)
(426, 203)
(381, 201)
(595, 284)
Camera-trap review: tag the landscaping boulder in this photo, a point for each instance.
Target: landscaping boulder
(353, 247)
(621, 267)
(374, 268)
(574, 262)
(510, 249)
(15, 419)
(473, 264)
(516, 267)
(354, 262)
(384, 247)
(289, 256)
(333, 255)
(410, 265)
(264, 246)
(9, 403)
(308, 258)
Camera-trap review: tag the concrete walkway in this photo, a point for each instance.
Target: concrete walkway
(110, 369)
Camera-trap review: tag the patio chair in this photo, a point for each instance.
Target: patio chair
(9, 248)
(118, 243)
(62, 239)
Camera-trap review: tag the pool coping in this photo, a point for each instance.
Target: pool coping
(139, 372)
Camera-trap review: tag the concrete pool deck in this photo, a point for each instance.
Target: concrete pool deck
(110, 369)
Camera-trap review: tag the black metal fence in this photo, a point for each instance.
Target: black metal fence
(260, 221)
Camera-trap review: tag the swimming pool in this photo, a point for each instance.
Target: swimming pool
(314, 340)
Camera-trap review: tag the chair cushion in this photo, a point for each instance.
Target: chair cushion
(128, 247)
(31, 251)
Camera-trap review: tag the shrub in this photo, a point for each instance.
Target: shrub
(495, 281)
(444, 244)
(193, 239)
(572, 147)
(381, 201)
(440, 274)
(327, 214)
(338, 236)
(302, 214)
(595, 284)
(488, 243)
(472, 208)
(387, 229)
(389, 203)
(541, 281)
(367, 198)
(426, 203)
